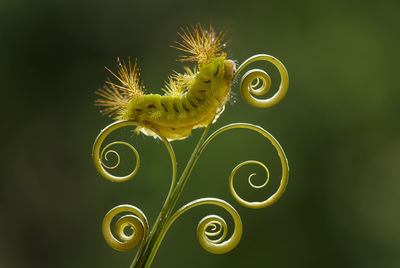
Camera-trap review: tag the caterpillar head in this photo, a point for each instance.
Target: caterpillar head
(219, 70)
(230, 69)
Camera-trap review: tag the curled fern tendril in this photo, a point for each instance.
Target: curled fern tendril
(137, 223)
(212, 226)
(258, 82)
(284, 164)
(98, 155)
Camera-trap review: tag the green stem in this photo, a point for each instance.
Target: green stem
(149, 249)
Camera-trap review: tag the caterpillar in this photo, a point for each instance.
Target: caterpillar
(192, 99)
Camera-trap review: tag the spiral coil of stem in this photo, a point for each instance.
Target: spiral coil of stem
(284, 164)
(216, 246)
(97, 155)
(251, 80)
(137, 223)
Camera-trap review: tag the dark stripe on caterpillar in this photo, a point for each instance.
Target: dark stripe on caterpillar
(175, 106)
(191, 103)
(185, 107)
(216, 72)
(199, 100)
(163, 105)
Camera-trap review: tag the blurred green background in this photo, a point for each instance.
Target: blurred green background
(338, 125)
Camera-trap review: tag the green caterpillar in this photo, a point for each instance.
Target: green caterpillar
(192, 100)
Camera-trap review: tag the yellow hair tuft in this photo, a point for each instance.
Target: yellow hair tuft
(178, 83)
(203, 44)
(114, 97)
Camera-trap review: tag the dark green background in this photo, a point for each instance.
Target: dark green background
(338, 125)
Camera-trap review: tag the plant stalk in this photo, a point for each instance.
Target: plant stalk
(148, 250)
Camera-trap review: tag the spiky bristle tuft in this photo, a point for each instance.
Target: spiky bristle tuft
(178, 83)
(114, 97)
(203, 44)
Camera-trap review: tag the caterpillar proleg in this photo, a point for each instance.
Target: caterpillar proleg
(191, 100)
